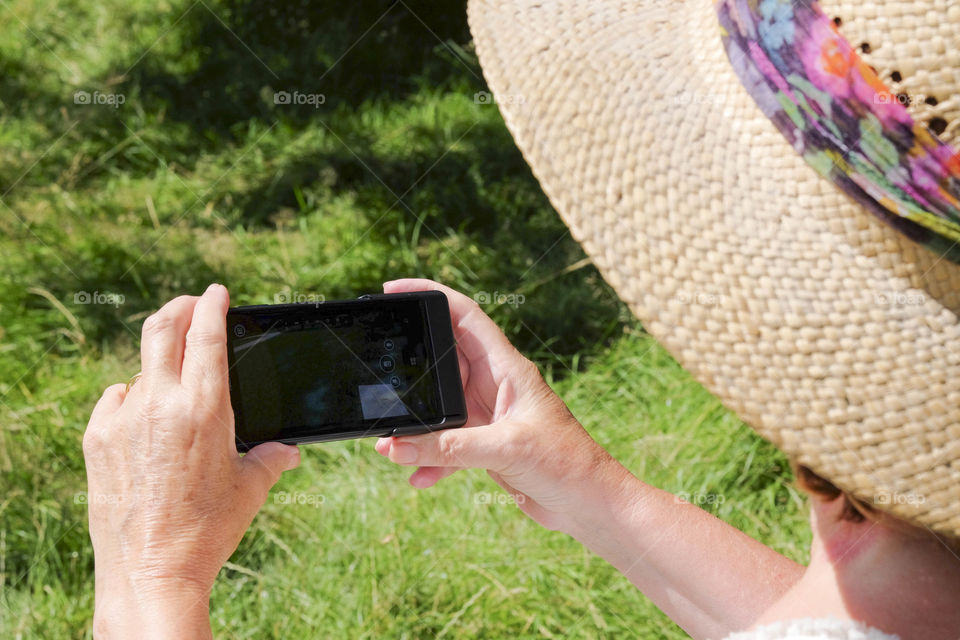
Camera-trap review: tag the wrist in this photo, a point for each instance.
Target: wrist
(610, 503)
(162, 610)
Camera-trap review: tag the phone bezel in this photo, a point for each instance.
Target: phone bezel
(443, 352)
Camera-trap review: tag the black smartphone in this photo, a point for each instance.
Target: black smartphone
(379, 365)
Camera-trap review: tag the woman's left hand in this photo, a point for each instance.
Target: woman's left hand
(169, 496)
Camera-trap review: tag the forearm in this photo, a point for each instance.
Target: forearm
(708, 576)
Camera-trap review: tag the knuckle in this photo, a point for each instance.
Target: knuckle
(474, 306)
(116, 389)
(526, 375)
(470, 308)
(211, 383)
(156, 323)
(450, 449)
(177, 302)
(155, 404)
(93, 441)
(111, 398)
(517, 443)
(165, 318)
(529, 369)
(205, 338)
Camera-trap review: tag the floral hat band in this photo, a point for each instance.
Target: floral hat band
(839, 116)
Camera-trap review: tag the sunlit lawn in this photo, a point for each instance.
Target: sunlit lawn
(110, 209)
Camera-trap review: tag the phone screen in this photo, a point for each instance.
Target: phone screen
(338, 366)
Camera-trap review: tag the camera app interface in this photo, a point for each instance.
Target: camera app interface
(297, 372)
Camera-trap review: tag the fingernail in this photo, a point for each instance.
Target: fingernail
(388, 282)
(214, 287)
(403, 453)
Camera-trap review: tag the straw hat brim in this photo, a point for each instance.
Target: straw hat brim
(830, 333)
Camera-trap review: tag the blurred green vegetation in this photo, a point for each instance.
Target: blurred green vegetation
(199, 176)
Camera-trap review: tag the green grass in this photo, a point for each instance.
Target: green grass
(199, 177)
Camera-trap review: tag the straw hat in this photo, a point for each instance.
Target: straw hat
(811, 286)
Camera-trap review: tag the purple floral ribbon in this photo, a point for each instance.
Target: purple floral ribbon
(837, 113)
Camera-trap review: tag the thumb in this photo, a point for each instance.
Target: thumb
(264, 463)
(495, 446)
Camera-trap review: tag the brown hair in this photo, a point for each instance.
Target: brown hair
(855, 509)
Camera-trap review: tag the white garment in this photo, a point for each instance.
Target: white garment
(813, 629)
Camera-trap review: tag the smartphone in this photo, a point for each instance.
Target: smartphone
(379, 365)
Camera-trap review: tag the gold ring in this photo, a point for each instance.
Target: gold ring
(133, 380)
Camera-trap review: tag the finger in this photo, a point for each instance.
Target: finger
(205, 350)
(162, 339)
(484, 352)
(487, 447)
(464, 367)
(476, 334)
(263, 465)
(109, 402)
(383, 446)
(425, 477)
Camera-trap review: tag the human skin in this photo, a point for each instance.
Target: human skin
(705, 574)
(170, 498)
(709, 577)
(901, 580)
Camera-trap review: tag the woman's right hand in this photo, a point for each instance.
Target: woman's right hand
(708, 576)
(518, 429)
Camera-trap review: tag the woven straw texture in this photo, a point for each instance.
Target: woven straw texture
(828, 332)
(915, 48)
